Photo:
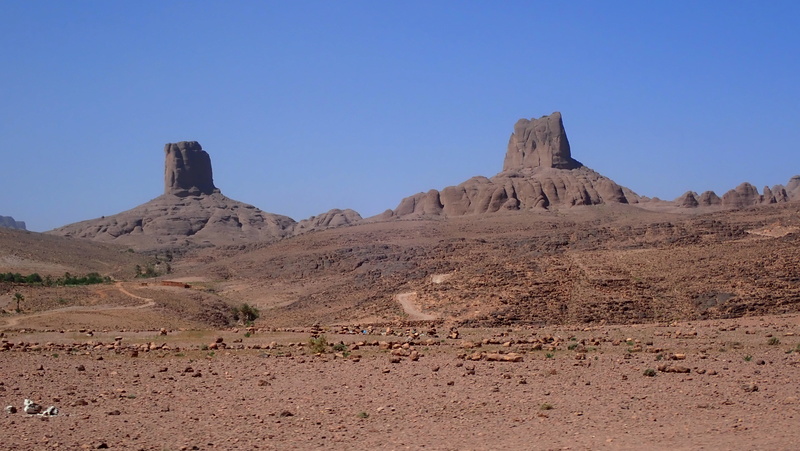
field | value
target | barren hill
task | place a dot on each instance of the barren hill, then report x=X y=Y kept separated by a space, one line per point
x=31 y=252
x=612 y=263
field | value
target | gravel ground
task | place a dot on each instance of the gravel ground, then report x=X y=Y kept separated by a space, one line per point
x=584 y=389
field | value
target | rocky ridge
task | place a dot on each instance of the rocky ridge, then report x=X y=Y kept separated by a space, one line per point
x=744 y=195
x=10 y=223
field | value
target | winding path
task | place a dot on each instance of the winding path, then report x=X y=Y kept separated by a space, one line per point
x=406 y=300
x=15 y=320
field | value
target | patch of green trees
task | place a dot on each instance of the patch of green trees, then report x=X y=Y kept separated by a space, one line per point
x=49 y=281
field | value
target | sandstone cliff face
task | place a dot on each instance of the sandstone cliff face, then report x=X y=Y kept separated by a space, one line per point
x=538 y=173
x=187 y=170
x=9 y=223
x=744 y=195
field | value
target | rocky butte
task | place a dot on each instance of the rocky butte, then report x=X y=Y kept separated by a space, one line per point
x=192 y=211
x=538 y=173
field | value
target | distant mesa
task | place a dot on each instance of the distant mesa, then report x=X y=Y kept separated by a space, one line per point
x=9 y=223
x=538 y=173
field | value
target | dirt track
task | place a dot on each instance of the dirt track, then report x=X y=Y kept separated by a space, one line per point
x=406 y=300
x=15 y=321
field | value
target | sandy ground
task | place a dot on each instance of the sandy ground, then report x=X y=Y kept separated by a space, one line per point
x=574 y=388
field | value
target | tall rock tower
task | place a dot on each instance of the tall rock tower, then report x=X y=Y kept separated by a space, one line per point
x=539 y=143
x=187 y=170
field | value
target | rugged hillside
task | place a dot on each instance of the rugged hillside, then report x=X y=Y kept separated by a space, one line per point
x=30 y=252
x=612 y=263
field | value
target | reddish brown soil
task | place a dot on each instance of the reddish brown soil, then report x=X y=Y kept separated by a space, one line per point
x=740 y=391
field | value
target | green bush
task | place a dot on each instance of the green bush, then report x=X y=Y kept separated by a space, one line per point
x=249 y=313
x=318 y=345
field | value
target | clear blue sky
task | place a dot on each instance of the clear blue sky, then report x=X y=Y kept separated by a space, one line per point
x=306 y=106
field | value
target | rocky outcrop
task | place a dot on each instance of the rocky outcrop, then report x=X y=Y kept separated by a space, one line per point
x=538 y=173
x=192 y=211
x=187 y=170
x=688 y=200
x=743 y=195
x=708 y=199
x=9 y=223
x=539 y=143
x=793 y=188
x=330 y=219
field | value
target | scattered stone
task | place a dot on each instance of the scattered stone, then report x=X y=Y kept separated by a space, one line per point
x=11 y=409
x=31 y=408
x=80 y=368
x=749 y=388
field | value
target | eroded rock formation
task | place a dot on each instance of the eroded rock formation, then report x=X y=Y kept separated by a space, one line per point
x=187 y=170
x=538 y=173
x=539 y=143
x=192 y=211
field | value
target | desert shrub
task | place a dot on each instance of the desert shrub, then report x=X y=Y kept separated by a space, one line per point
x=546 y=406
x=249 y=313
x=340 y=347
x=774 y=341
x=650 y=372
x=318 y=345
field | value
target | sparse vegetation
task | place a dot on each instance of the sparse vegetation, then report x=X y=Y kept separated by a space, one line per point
x=774 y=341
x=748 y=358
x=650 y=372
x=546 y=406
x=318 y=345
x=363 y=415
x=47 y=281
x=148 y=271
x=19 y=298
